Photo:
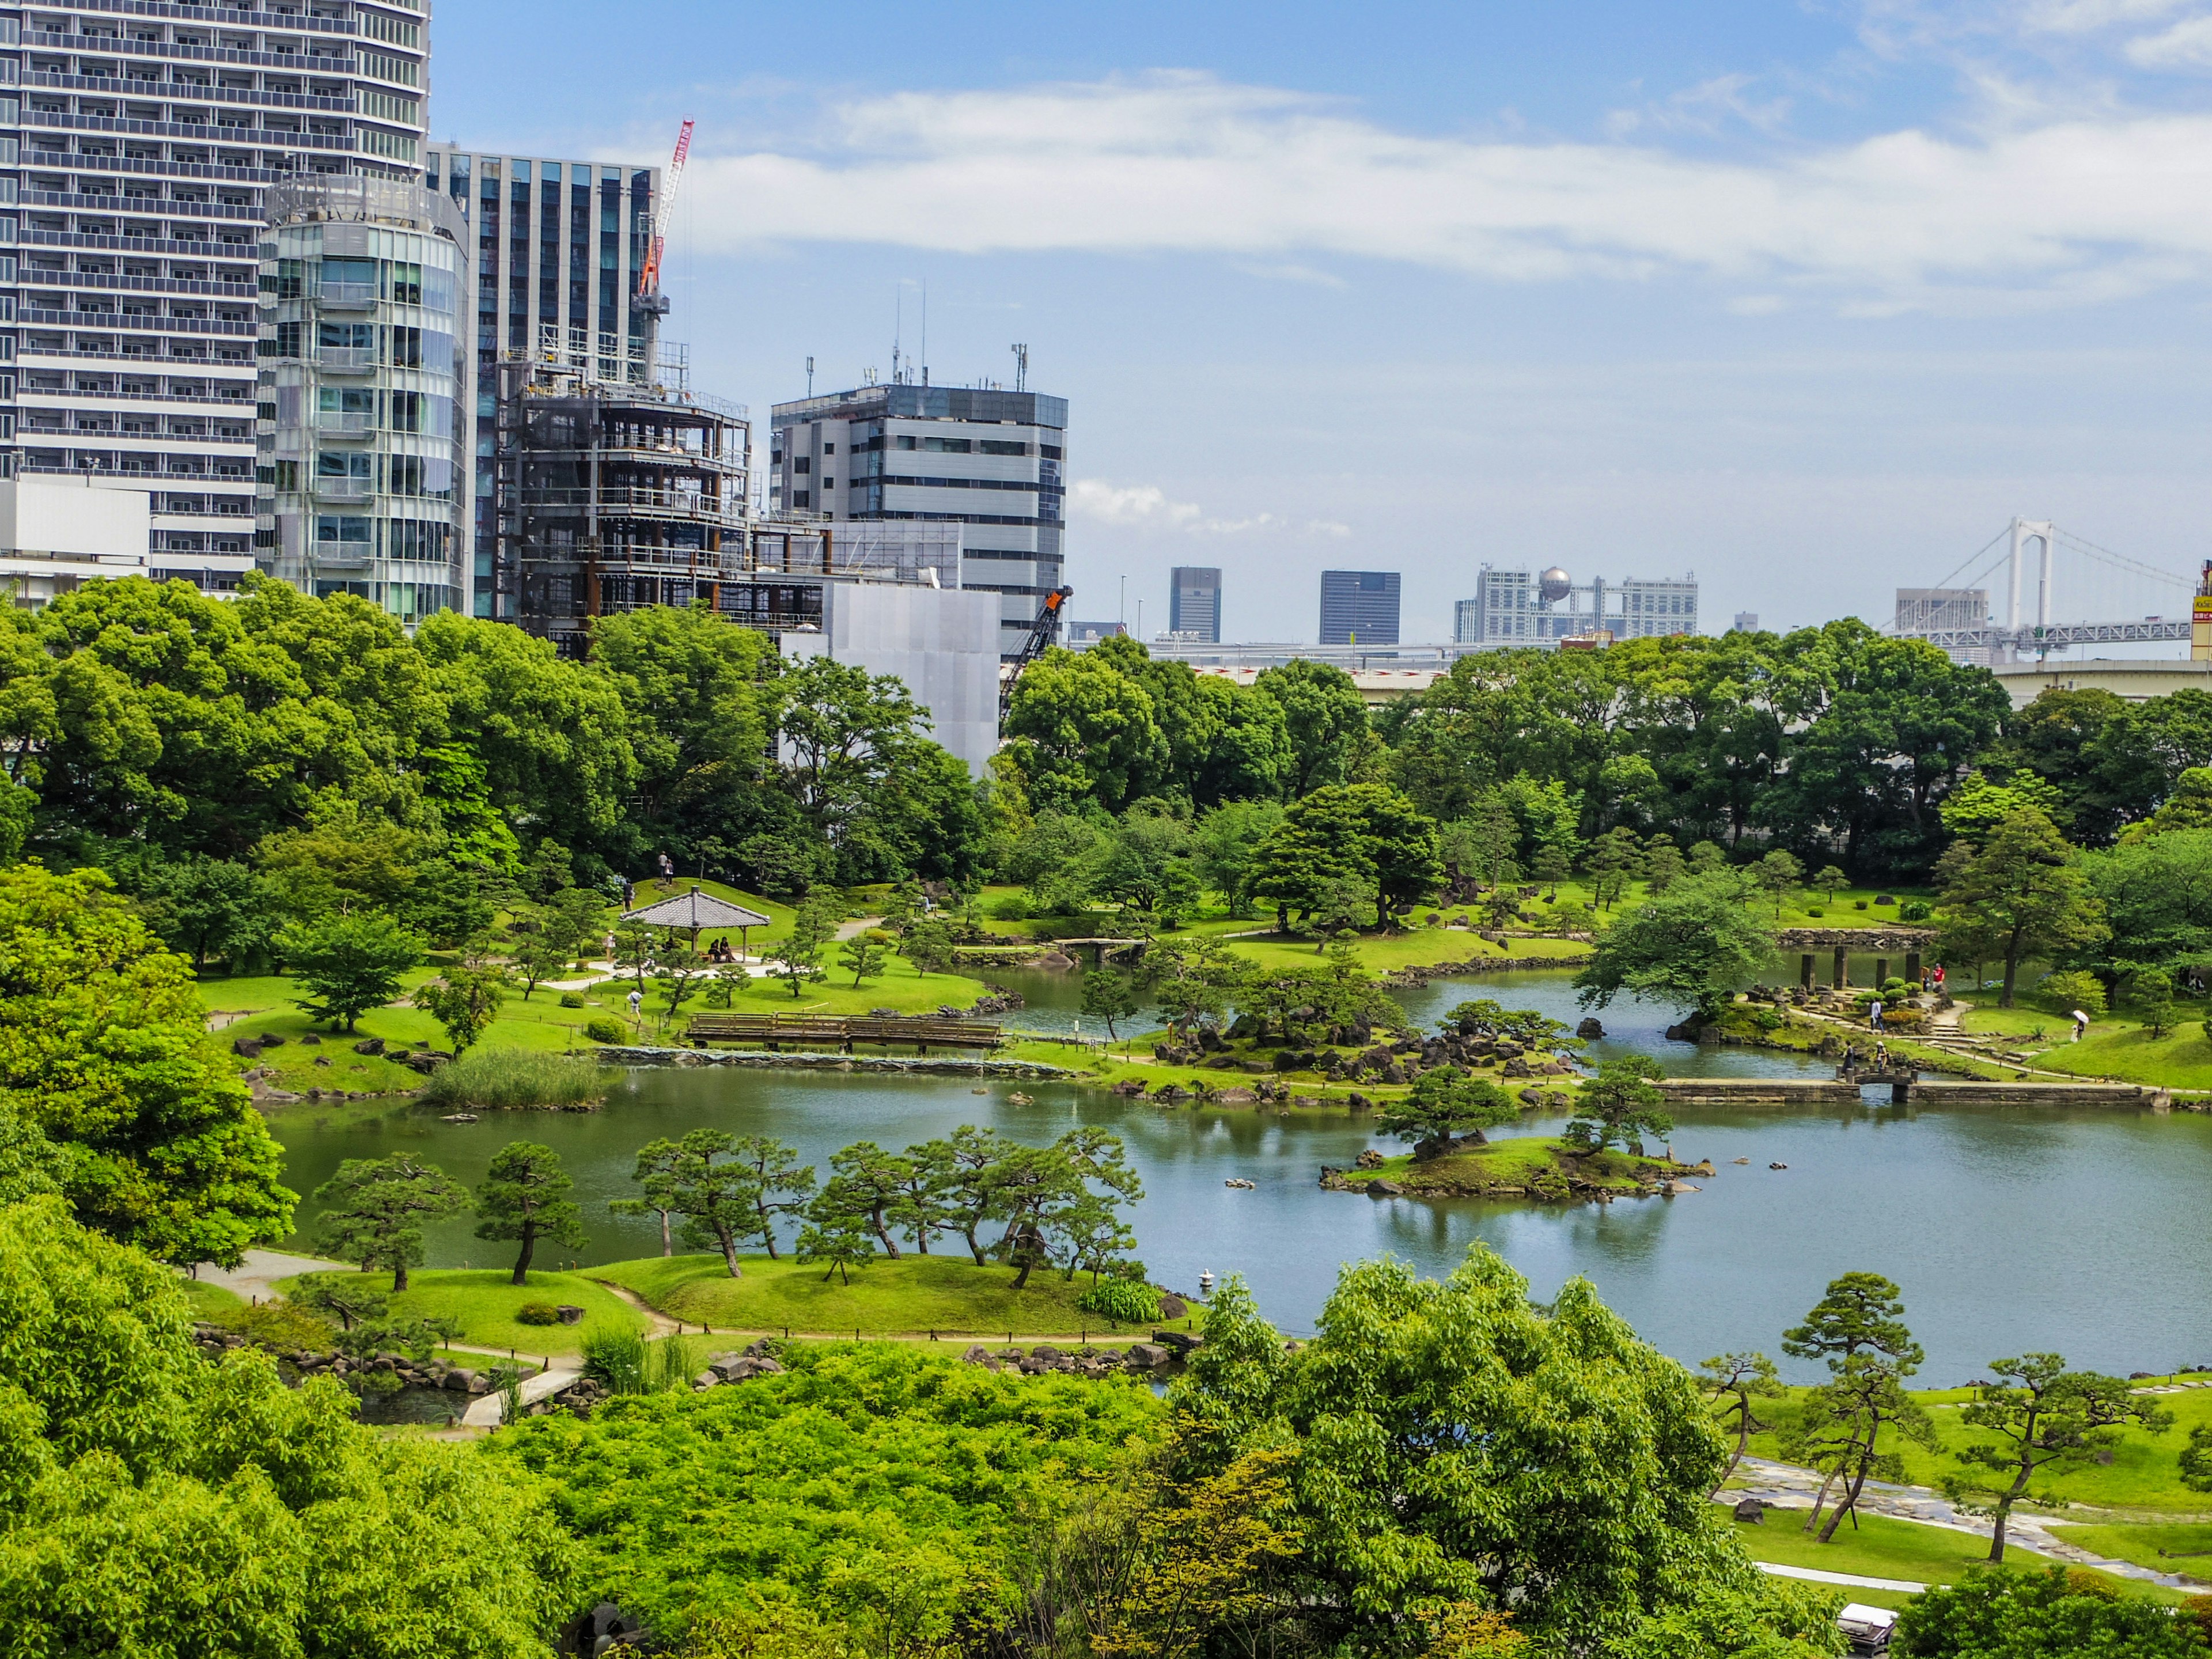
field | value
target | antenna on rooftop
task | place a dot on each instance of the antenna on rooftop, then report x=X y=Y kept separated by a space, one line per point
x=810 y=377
x=1021 y=367
x=925 y=330
x=898 y=327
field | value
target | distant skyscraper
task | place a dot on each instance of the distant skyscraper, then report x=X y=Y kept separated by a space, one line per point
x=1359 y=607
x=1517 y=607
x=1194 y=604
x=1747 y=622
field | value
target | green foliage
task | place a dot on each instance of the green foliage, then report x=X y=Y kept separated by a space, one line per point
x=2021 y=893
x=1366 y=833
x=1445 y=1102
x=616 y=1358
x=525 y=1197
x=729 y=1189
x=877 y=1490
x=465 y=997
x=1619 y=1104
x=1123 y=1301
x=2056 y=1613
x=798 y=956
x=862 y=956
x=348 y=964
x=2156 y=895
x=1110 y=994
x=105 y=1053
x=1693 y=945
x=2062 y=992
x=155 y=1502
x=377 y=1208
x=1977 y=807
x=573 y=999
x=203 y=907
x=605 y=1027
x=507 y=1079
x=1323 y=719
x=537 y=1313
x=1532 y=1432
x=2151 y=991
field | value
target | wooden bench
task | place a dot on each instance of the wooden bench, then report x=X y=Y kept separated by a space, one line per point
x=842 y=1031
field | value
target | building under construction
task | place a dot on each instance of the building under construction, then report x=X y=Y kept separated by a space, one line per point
x=610 y=495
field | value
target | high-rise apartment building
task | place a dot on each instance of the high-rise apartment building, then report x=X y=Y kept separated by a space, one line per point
x=1194 y=604
x=993 y=461
x=1925 y=609
x=137 y=144
x=559 y=247
x=365 y=384
x=1358 y=607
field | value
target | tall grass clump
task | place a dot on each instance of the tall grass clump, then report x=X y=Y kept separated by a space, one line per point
x=505 y=1080
x=616 y=1359
x=671 y=1364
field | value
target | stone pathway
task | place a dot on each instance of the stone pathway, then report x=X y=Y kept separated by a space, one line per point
x=1786 y=1484
x=257 y=1274
x=487 y=1411
x=662 y=1324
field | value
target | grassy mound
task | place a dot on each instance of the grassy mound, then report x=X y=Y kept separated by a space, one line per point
x=511 y=1079
x=1519 y=1166
x=484 y=1303
x=913 y=1295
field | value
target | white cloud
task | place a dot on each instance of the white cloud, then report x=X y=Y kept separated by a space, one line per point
x=2057 y=209
x=2187 y=45
x=1147 y=507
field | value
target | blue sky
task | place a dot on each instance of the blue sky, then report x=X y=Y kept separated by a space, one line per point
x=1808 y=299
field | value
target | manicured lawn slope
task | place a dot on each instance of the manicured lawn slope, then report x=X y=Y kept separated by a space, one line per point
x=913 y=1295
x=484 y=1303
x=1883 y=1548
x=2192 y=1544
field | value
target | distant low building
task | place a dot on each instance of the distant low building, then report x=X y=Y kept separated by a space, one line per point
x=1079 y=635
x=1747 y=622
x=58 y=533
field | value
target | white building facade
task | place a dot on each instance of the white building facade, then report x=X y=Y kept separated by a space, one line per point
x=1521 y=608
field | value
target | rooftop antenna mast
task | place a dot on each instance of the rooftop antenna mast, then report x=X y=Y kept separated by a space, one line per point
x=898 y=328
x=1021 y=368
x=810 y=377
x=925 y=330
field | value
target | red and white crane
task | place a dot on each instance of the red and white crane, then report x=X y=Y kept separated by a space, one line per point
x=649 y=297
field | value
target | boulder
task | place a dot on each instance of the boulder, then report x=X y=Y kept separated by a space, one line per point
x=1370 y=1159
x=977 y=1354
x=1173 y=1306
x=461 y=1381
x=269 y=1040
x=247 y=1048
x=310 y=1041
x=1752 y=1509
x=706 y=1379
x=569 y=1314
x=1384 y=1189
x=1236 y=1098
x=1148 y=1355
x=369 y=1046
x=1045 y=1351
x=1175 y=1342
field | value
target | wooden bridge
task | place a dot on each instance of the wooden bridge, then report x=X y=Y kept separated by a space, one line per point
x=842 y=1032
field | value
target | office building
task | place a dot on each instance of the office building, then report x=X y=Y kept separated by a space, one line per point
x=1359 y=607
x=1924 y=609
x=366 y=389
x=147 y=136
x=1082 y=636
x=1747 y=622
x=1519 y=608
x=992 y=461
x=559 y=246
x=1194 y=604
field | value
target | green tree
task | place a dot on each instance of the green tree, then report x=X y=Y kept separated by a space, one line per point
x=1733 y=1382
x=1324 y=717
x=347 y=1297
x=873 y=1189
x=347 y=964
x=375 y=1210
x=798 y=954
x=1977 y=807
x=1110 y=995
x=863 y=957
x=466 y=998
x=1619 y=1104
x=1859 y=1313
x=2020 y=894
x=845 y=732
x=1831 y=881
x=845 y=1241
x=1849 y=1428
x=1662 y=864
x=680 y=973
x=1529 y=1430
x=2038 y=1416
x=1692 y=946
x=2152 y=992
x=1778 y=873
x=105 y=1054
x=525 y=1197
x=2057 y=1613
x=1445 y=1102
x=203 y=907
x=1225 y=843
x=710 y=1178
x=1079 y=729
x=540 y=955
x=657 y=1163
x=1553 y=866
x=969 y=1170
x=1857 y=1326
x=1613 y=861
x=1366 y=831
x=781 y=1184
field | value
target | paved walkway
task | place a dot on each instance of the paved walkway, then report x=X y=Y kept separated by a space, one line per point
x=256 y=1276
x=1852 y=1580
x=1786 y=1484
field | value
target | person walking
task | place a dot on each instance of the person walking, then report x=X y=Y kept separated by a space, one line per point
x=1874 y=1014
x=2081 y=1023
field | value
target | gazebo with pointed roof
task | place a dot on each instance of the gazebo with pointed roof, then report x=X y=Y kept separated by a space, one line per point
x=695 y=911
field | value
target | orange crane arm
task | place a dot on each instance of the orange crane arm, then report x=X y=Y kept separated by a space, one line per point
x=648 y=280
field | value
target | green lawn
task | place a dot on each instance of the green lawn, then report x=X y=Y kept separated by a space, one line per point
x=913 y=1295
x=1880 y=1548
x=210 y=1301
x=2192 y=1544
x=2182 y=1059
x=483 y=1301
x=2144 y=1472
x=1415 y=947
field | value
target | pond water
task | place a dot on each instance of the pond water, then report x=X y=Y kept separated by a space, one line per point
x=2009 y=1230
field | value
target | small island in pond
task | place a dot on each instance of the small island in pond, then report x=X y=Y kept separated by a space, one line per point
x=1548 y=1168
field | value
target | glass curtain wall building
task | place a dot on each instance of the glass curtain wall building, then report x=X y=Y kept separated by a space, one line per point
x=137 y=143
x=1194 y=604
x=559 y=246
x=366 y=411
x=1359 y=607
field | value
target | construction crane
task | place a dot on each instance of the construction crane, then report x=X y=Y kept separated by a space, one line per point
x=1041 y=635
x=649 y=298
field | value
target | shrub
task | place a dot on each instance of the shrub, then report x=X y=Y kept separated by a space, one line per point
x=572 y=999
x=1816 y=912
x=537 y=1313
x=1914 y=910
x=617 y=1358
x=1858 y=904
x=671 y=1363
x=503 y=1080
x=605 y=1029
x=1121 y=1301
x=2069 y=991
x=1894 y=987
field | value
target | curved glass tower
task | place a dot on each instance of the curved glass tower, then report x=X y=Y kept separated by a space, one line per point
x=366 y=393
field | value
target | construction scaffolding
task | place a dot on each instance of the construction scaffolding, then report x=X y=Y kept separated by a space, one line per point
x=611 y=493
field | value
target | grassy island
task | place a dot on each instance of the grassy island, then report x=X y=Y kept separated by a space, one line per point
x=1520 y=1166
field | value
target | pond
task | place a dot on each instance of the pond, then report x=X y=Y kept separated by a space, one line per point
x=2009 y=1230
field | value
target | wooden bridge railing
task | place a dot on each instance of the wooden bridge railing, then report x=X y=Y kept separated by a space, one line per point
x=842 y=1032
